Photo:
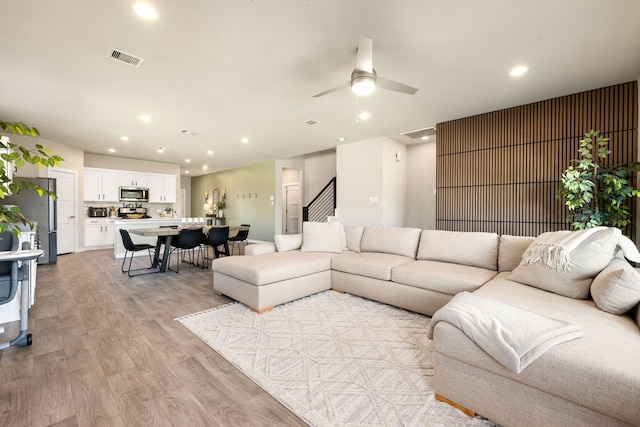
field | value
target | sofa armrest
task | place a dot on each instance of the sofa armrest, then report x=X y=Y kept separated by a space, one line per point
x=260 y=248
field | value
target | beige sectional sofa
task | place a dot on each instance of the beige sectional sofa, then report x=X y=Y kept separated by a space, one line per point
x=593 y=380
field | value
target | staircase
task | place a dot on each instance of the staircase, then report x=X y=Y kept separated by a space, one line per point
x=323 y=205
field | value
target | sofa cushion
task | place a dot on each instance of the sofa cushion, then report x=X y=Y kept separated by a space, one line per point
x=288 y=242
x=391 y=240
x=467 y=248
x=322 y=237
x=443 y=277
x=511 y=249
x=353 y=234
x=616 y=289
x=586 y=260
x=273 y=267
x=368 y=264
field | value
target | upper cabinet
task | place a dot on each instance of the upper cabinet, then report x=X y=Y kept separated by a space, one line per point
x=162 y=188
x=101 y=185
x=134 y=179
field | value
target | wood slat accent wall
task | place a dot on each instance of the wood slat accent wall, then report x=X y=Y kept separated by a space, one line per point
x=499 y=171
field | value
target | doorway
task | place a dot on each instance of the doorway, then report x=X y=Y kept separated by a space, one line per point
x=66 y=183
x=291 y=208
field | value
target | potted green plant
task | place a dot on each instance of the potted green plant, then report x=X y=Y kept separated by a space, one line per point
x=595 y=192
x=14 y=157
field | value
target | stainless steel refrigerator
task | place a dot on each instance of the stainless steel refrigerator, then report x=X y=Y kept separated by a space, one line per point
x=43 y=211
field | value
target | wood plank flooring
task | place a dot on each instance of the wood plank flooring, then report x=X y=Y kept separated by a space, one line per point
x=107 y=352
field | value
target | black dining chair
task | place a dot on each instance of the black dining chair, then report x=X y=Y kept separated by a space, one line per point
x=242 y=235
x=217 y=237
x=187 y=241
x=129 y=246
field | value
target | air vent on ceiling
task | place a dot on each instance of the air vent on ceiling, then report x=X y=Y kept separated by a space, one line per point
x=420 y=133
x=127 y=58
x=311 y=122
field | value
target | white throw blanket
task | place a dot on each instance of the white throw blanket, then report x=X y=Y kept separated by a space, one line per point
x=513 y=336
x=553 y=248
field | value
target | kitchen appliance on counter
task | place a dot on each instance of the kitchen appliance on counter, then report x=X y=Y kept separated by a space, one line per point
x=97 y=212
x=133 y=211
x=40 y=210
x=134 y=194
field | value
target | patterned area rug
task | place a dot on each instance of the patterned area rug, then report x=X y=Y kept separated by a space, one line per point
x=334 y=360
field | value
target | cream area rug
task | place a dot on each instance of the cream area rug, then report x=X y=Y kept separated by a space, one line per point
x=334 y=360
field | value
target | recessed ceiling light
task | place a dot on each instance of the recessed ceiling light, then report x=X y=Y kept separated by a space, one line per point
x=244 y=140
x=186 y=172
x=210 y=152
x=364 y=115
x=124 y=138
x=205 y=167
x=145 y=118
x=340 y=140
x=111 y=150
x=161 y=149
x=518 y=71
x=145 y=10
x=187 y=160
x=425 y=137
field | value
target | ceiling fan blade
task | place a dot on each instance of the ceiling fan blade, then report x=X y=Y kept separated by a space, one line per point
x=395 y=86
x=333 y=89
x=364 y=60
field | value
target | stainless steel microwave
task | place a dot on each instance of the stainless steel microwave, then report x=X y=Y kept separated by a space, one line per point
x=134 y=194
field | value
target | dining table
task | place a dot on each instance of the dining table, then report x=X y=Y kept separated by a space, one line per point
x=169 y=233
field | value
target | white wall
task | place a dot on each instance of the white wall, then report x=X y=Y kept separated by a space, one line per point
x=371 y=184
x=394 y=183
x=319 y=169
x=421 y=186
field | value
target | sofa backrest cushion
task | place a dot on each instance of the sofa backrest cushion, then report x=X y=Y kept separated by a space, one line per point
x=288 y=242
x=353 y=234
x=616 y=289
x=476 y=249
x=586 y=260
x=322 y=237
x=391 y=240
x=511 y=249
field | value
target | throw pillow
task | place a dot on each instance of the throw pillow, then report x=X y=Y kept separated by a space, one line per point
x=353 y=234
x=584 y=261
x=321 y=237
x=629 y=249
x=616 y=289
x=288 y=242
x=401 y=241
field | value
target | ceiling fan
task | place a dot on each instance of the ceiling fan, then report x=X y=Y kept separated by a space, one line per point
x=364 y=78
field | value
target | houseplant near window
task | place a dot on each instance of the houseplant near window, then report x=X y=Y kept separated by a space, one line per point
x=595 y=192
x=15 y=156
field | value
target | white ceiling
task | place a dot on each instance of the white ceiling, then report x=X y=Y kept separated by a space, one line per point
x=229 y=69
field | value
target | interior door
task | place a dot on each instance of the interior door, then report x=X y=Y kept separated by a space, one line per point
x=292 y=203
x=65 y=209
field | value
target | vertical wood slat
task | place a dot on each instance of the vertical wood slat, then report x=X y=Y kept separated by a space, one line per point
x=499 y=171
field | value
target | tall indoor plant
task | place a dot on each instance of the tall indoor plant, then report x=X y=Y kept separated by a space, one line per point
x=595 y=192
x=14 y=157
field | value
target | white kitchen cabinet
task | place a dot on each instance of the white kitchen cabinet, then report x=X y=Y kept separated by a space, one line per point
x=134 y=179
x=101 y=185
x=99 y=232
x=162 y=188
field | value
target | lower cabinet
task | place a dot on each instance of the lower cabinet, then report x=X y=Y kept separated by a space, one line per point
x=99 y=232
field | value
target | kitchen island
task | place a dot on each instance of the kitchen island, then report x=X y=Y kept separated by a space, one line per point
x=130 y=224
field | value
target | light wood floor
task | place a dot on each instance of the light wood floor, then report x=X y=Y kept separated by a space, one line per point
x=107 y=352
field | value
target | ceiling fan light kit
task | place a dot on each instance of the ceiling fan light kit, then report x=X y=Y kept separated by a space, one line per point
x=363 y=83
